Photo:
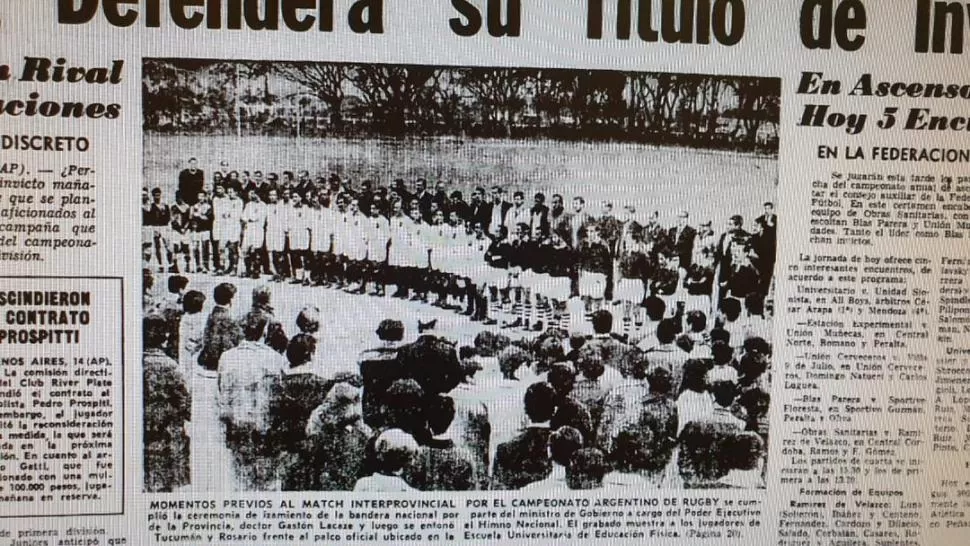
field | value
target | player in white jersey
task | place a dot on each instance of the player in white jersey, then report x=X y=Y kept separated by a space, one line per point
x=275 y=234
x=397 y=252
x=321 y=238
x=200 y=220
x=418 y=255
x=355 y=247
x=378 y=234
x=455 y=243
x=253 y=234
x=341 y=239
x=226 y=228
x=461 y=263
x=298 y=233
x=440 y=263
x=478 y=273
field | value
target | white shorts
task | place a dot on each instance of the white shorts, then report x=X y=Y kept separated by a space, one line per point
x=226 y=238
x=253 y=237
x=516 y=277
x=300 y=240
x=631 y=290
x=556 y=288
x=276 y=242
x=163 y=232
x=492 y=276
x=592 y=285
x=226 y=232
x=530 y=279
x=201 y=236
x=181 y=239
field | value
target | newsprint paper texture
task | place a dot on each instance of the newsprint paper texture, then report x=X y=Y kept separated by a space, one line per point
x=484 y=271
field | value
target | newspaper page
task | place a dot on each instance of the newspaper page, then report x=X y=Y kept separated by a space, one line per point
x=484 y=271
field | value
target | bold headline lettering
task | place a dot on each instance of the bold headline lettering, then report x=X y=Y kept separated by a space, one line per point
x=940 y=26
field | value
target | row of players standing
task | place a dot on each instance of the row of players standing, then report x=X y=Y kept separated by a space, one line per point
x=487 y=252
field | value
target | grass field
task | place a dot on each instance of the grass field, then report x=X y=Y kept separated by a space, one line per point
x=709 y=184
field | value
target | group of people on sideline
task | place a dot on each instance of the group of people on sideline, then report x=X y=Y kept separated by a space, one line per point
x=530 y=263
x=684 y=406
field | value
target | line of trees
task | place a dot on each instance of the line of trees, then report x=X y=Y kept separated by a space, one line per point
x=320 y=99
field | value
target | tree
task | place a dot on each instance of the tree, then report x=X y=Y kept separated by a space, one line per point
x=162 y=91
x=758 y=103
x=390 y=92
x=445 y=99
x=500 y=93
x=598 y=99
x=554 y=92
x=187 y=95
x=323 y=80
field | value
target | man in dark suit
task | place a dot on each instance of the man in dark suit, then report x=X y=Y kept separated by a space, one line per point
x=401 y=190
x=525 y=458
x=493 y=215
x=379 y=368
x=572 y=227
x=431 y=361
x=729 y=245
x=556 y=211
x=365 y=199
x=424 y=199
x=682 y=237
x=222 y=332
x=766 y=244
x=440 y=195
x=191 y=182
x=539 y=217
x=476 y=207
x=609 y=225
x=459 y=209
x=609 y=228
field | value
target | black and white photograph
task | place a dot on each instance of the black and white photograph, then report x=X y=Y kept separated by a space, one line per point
x=396 y=278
